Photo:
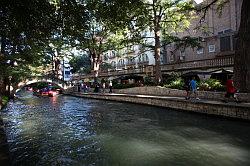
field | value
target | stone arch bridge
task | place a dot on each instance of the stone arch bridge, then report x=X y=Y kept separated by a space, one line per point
x=31 y=80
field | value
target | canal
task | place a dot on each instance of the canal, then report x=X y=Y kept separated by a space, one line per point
x=66 y=130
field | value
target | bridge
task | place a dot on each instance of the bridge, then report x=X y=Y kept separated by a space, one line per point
x=31 y=80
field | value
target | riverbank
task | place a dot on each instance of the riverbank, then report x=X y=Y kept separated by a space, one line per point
x=4 y=149
x=204 y=106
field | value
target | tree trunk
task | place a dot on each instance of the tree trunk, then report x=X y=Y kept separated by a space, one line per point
x=95 y=64
x=242 y=57
x=157 y=51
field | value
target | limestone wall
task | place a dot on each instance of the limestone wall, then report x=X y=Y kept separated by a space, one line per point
x=232 y=110
x=161 y=91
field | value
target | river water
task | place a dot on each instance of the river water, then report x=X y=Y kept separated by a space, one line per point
x=67 y=130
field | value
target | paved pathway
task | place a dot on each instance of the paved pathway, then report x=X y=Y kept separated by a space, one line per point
x=231 y=102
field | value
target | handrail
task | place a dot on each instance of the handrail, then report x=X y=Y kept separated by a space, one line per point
x=216 y=62
x=199 y=64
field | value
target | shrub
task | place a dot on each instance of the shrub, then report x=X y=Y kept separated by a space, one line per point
x=148 y=81
x=123 y=86
x=169 y=79
x=211 y=85
x=5 y=100
x=177 y=83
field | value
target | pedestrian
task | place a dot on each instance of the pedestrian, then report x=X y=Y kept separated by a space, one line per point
x=230 y=89
x=110 y=87
x=84 y=87
x=193 y=88
x=187 y=88
x=103 y=87
x=78 y=87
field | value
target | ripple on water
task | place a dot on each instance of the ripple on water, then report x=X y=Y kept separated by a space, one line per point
x=75 y=131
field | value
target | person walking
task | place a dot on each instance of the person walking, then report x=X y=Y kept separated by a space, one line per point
x=230 y=89
x=193 y=88
x=187 y=88
x=103 y=87
x=110 y=87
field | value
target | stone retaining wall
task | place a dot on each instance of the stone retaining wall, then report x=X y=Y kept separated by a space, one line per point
x=161 y=91
x=232 y=110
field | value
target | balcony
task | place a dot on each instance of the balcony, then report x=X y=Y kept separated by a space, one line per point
x=219 y=62
x=122 y=72
x=226 y=61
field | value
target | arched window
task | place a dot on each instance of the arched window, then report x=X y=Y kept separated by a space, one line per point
x=113 y=63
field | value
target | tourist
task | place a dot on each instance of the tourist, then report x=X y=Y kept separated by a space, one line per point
x=110 y=86
x=193 y=88
x=103 y=87
x=230 y=89
x=187 y=88
x=97 y=87
x=79 y=87
x=85 y=87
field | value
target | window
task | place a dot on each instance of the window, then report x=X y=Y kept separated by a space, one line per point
x=228 y=31
x=67 y=72
x=171 y=57
x=113 y=63
x=220 y=33
x=211 y=48
x=225 y=43
x=113 y=53
x=200 y=50
x=182 y=53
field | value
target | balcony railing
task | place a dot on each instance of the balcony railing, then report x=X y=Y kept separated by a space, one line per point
x=226 y=61
x=207 y=63
x=122 y=72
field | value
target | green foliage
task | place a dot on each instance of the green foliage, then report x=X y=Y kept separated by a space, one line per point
x=171 y=78
x=148 y=81
x=211 y=85
x=5 y=100
x=125 y=86
x=80 y=64
x=122 y=86
x=106 y=66
x=41 y=85
x=177 y=83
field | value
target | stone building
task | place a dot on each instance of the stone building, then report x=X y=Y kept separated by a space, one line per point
x=217 y=35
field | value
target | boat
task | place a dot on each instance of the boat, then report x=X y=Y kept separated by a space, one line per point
x=46 y=92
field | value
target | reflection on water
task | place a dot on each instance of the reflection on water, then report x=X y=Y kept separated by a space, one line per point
x=74 y=131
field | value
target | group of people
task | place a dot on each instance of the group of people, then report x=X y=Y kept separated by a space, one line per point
x=110 y=86
x=191 y=88
x=97 y=86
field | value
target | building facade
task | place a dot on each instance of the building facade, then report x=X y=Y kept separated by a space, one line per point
x=217 y=36
x=216 y=31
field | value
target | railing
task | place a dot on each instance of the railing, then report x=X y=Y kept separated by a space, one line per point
x=207 y=63
x=199 y=64
x=122 y=72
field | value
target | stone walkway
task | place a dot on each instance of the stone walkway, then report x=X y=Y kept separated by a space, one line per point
x=231 y=102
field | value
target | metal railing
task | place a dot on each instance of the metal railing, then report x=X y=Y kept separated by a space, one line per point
x=207 y=63
x=225 y=61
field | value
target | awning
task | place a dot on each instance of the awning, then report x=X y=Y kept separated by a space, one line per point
x=222 y=71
